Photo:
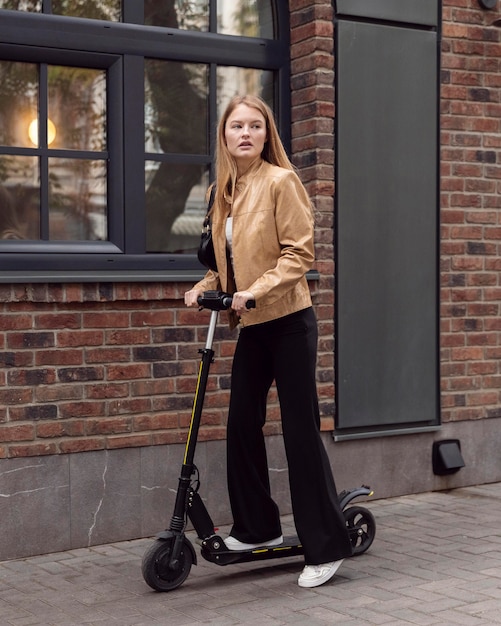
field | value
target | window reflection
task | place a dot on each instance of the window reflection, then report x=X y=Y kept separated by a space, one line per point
x=246 y=18
x=76 y=187
x=183 y=14
x=176 y=107
x=19 y=198
x=94 y=9
x=186 y=229
x=77 y=107
x=233 y=81
x=178 y=123
x=22 y=5
x=18 y=102
x=77 y=200
x=174 y=206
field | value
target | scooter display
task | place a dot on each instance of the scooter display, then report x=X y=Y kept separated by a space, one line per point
x=167 y=562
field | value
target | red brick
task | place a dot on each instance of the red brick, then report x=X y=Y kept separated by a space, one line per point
x=81 y=409
x=108 y=426
x=127 y=371
x=129 y=441
x=18 y=432
x=57 y=320
x=29 y=450
x=87 y=444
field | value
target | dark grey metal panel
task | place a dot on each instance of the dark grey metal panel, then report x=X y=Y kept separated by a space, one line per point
x=423 y=12
x=387 y=355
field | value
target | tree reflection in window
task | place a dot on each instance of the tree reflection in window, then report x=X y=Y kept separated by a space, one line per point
x=22 y=5
x=176 y=122
x=19 y=176
x=97 y=10
x=70 y=202
x=183 y=14
x=75 y=184
x=245 y=18
x=176 y=116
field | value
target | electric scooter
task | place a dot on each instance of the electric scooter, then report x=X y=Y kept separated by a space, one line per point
x=167 y=563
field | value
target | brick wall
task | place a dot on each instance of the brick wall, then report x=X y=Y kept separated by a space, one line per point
x=92 y=367
x=470 y=212
x=312 y=82
x=102 y=366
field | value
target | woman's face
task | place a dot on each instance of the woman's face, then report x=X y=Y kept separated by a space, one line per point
x=245 y=134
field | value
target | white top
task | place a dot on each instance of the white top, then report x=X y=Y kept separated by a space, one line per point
x=229 y=235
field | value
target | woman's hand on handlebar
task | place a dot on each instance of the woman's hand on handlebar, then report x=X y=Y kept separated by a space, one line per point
x=239 y=303
x=190 y=297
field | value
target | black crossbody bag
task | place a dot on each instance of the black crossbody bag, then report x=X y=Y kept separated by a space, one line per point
x=205 y=253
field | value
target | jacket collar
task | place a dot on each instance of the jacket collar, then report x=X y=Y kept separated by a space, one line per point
x=251 y=171
x=246 y=177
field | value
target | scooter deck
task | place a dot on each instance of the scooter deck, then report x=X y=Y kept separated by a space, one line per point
x=290 y=546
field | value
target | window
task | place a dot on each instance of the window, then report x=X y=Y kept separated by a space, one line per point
x=54 y=162
x=106 y=140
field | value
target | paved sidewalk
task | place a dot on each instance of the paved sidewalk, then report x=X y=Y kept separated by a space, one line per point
x=436 y=559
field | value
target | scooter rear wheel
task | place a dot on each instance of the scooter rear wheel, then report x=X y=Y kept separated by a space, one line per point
x=361 y=527
x=155 y=567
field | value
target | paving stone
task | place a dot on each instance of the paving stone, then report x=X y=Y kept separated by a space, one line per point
x=432 y=562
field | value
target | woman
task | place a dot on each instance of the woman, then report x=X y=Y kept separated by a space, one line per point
x=262 y=228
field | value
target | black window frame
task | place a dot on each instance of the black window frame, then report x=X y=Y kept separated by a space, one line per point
x=121 y=48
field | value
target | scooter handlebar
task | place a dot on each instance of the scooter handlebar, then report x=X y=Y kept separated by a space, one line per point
x=219 y=301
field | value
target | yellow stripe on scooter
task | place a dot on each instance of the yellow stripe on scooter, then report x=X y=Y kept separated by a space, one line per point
x=278 y=549
x=193 y=412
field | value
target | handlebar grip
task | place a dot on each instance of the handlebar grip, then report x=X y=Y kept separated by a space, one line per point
x=250 y=304
x=219 y=301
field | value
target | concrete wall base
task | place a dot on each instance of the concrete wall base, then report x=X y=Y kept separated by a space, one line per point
x=57 y=503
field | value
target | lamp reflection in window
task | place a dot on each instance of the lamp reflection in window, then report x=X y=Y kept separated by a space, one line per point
x=33 y=132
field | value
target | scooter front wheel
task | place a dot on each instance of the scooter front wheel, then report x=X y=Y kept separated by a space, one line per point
x=157 y=570
x=361 y=526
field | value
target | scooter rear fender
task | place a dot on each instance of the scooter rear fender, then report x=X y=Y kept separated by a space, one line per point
x=345 y=497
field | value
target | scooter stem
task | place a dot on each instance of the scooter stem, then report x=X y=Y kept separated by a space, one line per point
x=178 y=517
x=203 y=374
x=211 y=330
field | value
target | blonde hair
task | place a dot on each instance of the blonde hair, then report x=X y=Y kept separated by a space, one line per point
x=273 y=151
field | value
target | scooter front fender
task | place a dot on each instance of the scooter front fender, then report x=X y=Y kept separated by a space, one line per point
x=345 y=497
x=167 y=535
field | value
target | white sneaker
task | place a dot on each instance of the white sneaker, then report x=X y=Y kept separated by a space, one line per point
x=315 y=575
x=234 y=544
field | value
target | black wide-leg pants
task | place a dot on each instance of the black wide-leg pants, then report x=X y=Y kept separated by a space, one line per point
x=284 y=350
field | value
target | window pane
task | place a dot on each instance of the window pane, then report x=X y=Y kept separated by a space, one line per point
x=232 y=81
x=94 y=9
x=184 y=14
x=18 y=102
x=247 y=18
x=21 y=5
x=176 y=109
x=77 y=107
x=77 y=200
x=175 y=206
x=19 y=198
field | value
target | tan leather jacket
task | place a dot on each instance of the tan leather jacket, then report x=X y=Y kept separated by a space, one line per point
x=272 y=243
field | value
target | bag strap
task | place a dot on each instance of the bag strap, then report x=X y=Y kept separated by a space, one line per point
x=211 y=198
x=207 y=222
